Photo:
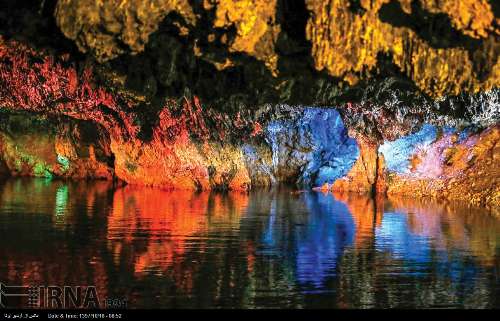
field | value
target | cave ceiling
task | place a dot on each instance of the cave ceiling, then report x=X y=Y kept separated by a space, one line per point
x=407 y=61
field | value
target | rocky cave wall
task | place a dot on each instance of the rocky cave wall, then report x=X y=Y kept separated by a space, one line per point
x=211 y=94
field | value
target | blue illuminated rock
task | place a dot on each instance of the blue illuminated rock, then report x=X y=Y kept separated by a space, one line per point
x=312 y=148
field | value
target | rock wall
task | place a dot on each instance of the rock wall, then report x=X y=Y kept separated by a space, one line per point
x=363 y=176
x=446 y=163
x=311 y=148
x=197 y=94
x=443 y=163
x=307 y=148
x=36 y=146
x=412 y=61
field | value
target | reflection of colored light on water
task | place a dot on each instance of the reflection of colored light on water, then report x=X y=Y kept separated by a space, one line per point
x=432 y=220
x=269 y=237
x=167 y=220
x=311 y=237
x=250 y=249
x=157 y=211
x=326 y=229
x=163 y=219
x=450 y=226
x=329 y=230
x=226 y=209
x=62 y=196
x=366 y=212
x=395 y=236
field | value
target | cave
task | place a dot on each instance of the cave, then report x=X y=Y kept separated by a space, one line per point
x=308 y=106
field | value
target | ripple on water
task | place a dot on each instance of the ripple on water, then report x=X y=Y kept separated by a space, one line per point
x=261 y=249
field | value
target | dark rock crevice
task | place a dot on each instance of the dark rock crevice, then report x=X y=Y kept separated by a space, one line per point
x=48 y=146
x=435 y=28
x=4 y=170
x=32 y=22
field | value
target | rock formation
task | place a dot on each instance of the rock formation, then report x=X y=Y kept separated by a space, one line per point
x=402 y=95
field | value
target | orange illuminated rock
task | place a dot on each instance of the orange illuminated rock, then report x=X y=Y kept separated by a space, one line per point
x=174 y=160
x=180 y=166
x=423 y=38
x=474 y=17
x=363 y=175
x=380 y=183
x=256 y=27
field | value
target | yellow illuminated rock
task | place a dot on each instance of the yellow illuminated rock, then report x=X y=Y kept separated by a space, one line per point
x=255 y=24
x=344 y=42
x=106 y=27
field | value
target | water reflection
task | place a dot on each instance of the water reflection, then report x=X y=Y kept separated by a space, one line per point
x=263 y=249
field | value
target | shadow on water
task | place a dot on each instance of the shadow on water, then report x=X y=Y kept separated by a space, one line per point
x=262 y=249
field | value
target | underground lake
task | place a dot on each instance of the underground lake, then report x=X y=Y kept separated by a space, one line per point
x=262 y=249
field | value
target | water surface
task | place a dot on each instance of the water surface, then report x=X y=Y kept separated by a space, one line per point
x=161 y=249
